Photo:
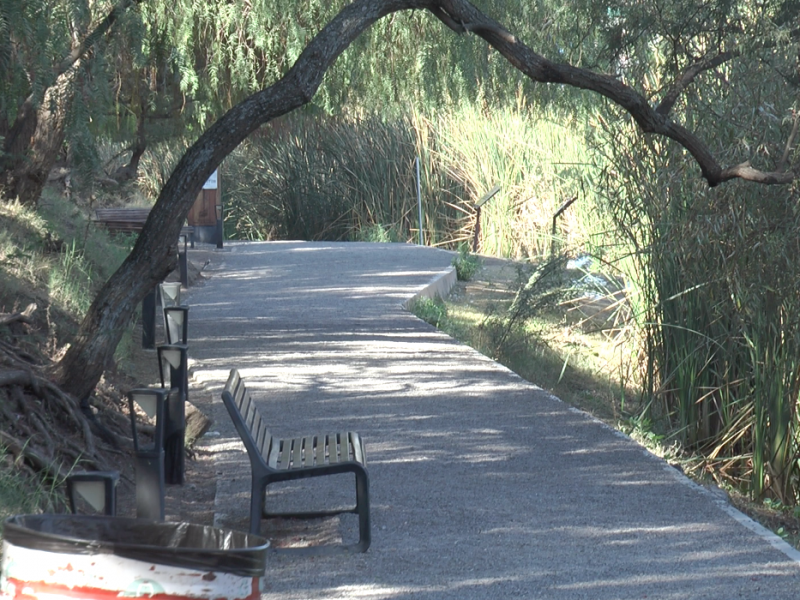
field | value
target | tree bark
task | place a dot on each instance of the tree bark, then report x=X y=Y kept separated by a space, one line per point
x=151 y=259
x=38 y=141
x=128 y=172
x=37 y=134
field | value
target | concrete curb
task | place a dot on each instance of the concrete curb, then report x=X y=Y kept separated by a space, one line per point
x=438 y=287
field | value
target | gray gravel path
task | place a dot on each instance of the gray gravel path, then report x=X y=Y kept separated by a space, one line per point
x=482 y=485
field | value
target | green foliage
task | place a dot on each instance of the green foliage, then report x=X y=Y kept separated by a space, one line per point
x=52 y=253
x=466 y=263
x=18 y=495
x=432 y=311
x=15 y=496
x=716 y=275
x=313 y=177
x=376 y=233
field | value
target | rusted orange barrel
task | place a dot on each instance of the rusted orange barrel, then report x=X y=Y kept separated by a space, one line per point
x=57 y=557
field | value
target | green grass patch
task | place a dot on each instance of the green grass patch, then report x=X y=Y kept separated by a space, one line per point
x=431 y=311
x=53 y=256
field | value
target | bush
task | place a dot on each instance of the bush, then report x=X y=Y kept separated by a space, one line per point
x=466 y=264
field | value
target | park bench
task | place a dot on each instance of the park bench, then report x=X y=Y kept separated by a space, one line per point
x=130 y=220
x=273 y=459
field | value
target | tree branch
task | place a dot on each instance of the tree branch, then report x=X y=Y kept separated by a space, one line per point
x=748 y=173
x=22 y=450
x=90 y=40
x=540 y=69
x=788 y=149
x=22 y=317
x=150 y=260
x=689 y=76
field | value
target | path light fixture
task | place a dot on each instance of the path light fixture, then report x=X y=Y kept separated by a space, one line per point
x=170 y=292
x=150 y=475
x=97 y=488
x=183 y=259
x=176 y=324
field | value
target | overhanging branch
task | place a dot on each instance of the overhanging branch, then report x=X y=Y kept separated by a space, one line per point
x=650 y=120
x=689 y=76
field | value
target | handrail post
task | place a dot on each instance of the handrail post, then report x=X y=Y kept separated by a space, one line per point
x=478 y=205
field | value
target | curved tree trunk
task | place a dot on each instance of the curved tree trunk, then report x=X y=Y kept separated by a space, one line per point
x=36 y=140
x=152 y=258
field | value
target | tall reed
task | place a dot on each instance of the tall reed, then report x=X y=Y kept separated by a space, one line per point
x=323 y=178
x=720 y=314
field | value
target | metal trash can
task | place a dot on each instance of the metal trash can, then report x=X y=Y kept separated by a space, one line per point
x=77 y=556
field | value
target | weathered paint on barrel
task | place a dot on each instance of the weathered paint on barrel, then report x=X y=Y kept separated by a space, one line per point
x=27 y=574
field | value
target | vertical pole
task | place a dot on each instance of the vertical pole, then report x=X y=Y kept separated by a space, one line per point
x=149 y=320
x=150 y=490
x=477 y=235
x=220 y=229
x=419 y=203
x=183 y=264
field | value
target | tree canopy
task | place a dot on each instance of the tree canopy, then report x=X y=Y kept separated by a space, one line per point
x=682 y=70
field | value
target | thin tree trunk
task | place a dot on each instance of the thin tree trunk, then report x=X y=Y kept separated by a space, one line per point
x=128 y=172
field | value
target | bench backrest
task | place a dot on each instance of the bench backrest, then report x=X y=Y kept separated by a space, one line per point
x=122 y=214
x=247 y=419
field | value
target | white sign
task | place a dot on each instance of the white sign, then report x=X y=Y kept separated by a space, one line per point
x=211 y=184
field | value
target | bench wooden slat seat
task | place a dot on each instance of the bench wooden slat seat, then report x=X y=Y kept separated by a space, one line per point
x=129 y=220
x=273 y=459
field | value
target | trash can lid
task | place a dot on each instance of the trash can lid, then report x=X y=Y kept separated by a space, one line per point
x=186 y=545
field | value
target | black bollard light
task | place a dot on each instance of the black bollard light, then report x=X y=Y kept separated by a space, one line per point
x=149 y=458
x=170 y=292
x=97 y=488
x=173 y=368
x=176 y=324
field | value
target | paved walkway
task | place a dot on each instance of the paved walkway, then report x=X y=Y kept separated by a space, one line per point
x=482 y=485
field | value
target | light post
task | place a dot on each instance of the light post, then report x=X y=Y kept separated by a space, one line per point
x=170 y=293
x=149 y=458
x=174 y=372
x=183 y=260
x=149 y=320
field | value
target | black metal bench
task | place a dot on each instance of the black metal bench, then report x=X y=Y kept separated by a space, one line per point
x=273 y=459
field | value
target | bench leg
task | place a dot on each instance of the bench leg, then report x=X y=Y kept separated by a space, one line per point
x=362 y=508
x=257 y=492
